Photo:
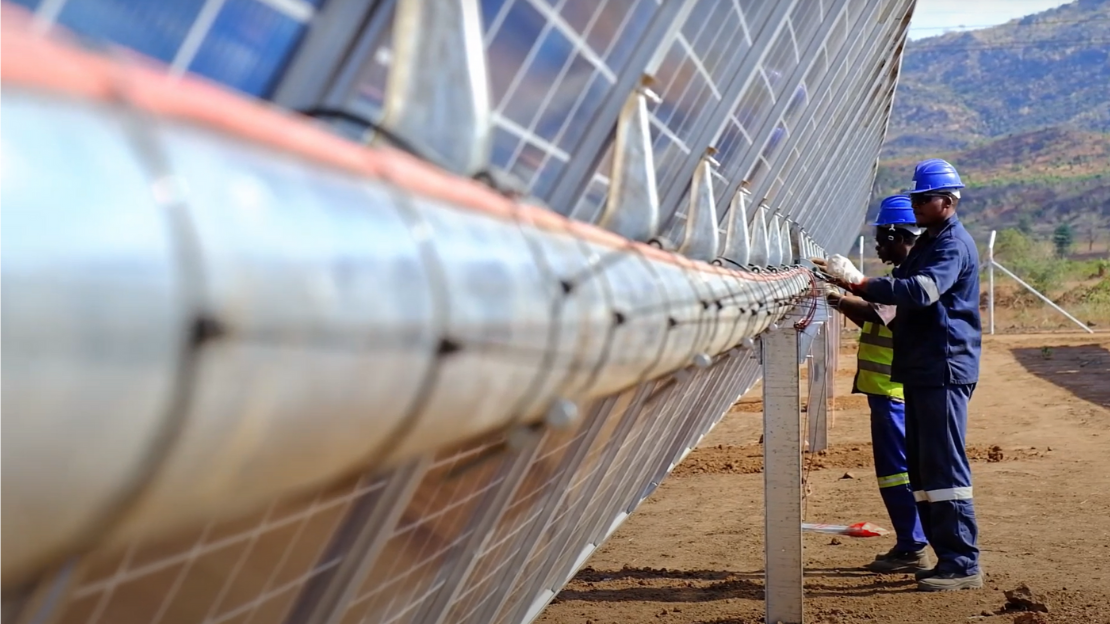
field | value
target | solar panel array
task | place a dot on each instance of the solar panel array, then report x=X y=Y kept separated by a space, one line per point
x=792 y=95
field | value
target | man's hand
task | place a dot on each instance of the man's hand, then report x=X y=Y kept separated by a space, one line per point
x=833 y=298
x=836 y=267
x=840 y=267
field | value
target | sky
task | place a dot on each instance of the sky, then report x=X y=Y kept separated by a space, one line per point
x=936 y=17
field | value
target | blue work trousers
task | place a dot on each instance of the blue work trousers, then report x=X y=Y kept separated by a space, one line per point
x=936 y=430
x=888 y=442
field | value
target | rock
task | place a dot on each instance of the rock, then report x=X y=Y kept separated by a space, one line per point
x=995 y=454
x=835 y=542
x=1021 y=598
x=848 y=475
x=1030 y=618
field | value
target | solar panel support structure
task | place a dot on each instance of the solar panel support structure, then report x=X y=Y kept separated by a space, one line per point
x=782 y=476
x=817 y=406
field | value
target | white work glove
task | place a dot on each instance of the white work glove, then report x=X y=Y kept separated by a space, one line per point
x=841 y=267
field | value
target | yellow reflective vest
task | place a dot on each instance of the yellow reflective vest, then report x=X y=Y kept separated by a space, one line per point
x=876 y=353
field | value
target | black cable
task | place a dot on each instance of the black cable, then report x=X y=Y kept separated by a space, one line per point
x=485 y=176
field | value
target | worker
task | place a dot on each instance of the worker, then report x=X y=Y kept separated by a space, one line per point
x=937 y=344
x=895 y=233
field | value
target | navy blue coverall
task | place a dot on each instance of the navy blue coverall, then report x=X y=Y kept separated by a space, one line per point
x=937 y=343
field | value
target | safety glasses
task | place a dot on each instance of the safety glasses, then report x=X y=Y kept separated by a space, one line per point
x=924 y=198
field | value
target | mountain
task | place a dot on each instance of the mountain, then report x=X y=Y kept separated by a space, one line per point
x=1023 y=111
x=1046 y=69
x=1034 y=180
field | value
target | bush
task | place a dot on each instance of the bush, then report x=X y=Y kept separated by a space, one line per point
x=1012 y=245
x=1042 y=273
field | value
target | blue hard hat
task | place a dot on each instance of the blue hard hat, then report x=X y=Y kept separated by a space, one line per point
x=935 y=175
x=896 y=210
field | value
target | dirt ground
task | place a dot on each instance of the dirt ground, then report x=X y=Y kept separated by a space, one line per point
x=1040 y=436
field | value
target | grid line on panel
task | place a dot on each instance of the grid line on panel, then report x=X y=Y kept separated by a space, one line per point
x=511 y=525
x=205 y=37
x=556 y=20
x=700 y=66
x=556 y=529
x=673 y=188
x=834 y=100
x=245 y=566
x=842 y=88
x=679 y=91
x=197 y=32
x=681 y=83
x=426 y=539
x=744 y=29
x=126 y=573
x=770 y=180
x=556 y=107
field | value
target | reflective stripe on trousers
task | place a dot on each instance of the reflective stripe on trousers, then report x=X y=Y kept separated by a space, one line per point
x=902 y=478
x=938 y=496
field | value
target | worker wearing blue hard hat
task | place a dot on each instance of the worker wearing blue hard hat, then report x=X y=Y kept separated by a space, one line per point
x=895 y=233
x=937 y=342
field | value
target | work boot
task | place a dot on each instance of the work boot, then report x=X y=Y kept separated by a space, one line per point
x=924 y=574
x=894 y=562
x=947 y=581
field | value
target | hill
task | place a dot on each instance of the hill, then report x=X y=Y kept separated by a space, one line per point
x=1047 y=69
x=1023 y=111
x=1034 y=180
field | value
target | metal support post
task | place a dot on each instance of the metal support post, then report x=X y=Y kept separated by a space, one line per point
x=817 y=406
x=861 y=254
x=990 y=280
x=832 y=344
x=782 y=476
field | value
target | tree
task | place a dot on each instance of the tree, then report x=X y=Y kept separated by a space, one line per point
x=1062 y=240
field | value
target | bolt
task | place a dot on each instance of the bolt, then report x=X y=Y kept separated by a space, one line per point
x=561 y=415
x=703 y=360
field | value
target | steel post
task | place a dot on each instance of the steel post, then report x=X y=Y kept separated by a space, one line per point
x=782 y=476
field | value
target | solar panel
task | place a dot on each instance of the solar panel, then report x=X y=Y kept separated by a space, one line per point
x=793 y=97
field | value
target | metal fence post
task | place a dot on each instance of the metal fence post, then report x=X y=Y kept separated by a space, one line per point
x=782 y=476
x=990 y=279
